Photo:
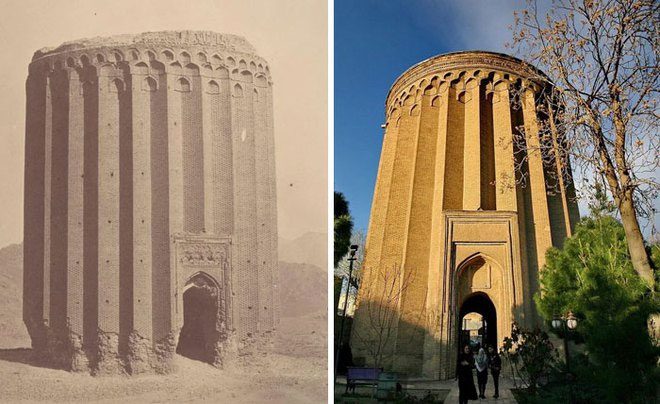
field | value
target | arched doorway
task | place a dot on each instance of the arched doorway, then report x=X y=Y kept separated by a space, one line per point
x=199 y=334
x=480 y=304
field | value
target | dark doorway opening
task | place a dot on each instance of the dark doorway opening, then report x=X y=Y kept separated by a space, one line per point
x=199 y=332
x=481 y=304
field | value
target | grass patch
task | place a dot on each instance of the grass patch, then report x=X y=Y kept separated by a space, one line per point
x=428 y=396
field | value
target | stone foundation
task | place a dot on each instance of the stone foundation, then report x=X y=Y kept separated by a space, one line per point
x=108 y=359
x=140 y=357
x=63 y=349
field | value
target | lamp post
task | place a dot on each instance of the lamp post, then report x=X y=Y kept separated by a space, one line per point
x=351 y=259
x=566 y=324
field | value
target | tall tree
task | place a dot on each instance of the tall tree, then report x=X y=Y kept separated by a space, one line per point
x=601 y=57
x=343 y=225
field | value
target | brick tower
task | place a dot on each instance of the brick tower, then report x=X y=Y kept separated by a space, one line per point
x=150 y=213
x=461 y=215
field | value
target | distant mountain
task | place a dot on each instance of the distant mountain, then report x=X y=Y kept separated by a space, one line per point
x=310 y=248
x=303 y=289
x=12 y=330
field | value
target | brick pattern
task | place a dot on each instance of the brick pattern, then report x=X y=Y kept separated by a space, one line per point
x=47 y=170
x=417 y=252
x=193 y=155
x=75 y=208
x=143 y=91
x=34 y=199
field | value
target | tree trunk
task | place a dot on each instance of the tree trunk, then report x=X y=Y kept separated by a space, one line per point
x=638 y=256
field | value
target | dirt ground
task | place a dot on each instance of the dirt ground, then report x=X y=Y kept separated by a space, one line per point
x=296 y=372
x=296 y=376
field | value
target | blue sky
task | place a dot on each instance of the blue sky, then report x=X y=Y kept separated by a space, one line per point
x=376 y=41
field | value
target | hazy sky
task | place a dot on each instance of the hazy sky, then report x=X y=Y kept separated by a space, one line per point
x=290 y=34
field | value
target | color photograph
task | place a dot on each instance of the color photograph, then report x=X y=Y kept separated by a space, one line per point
x=496 y=189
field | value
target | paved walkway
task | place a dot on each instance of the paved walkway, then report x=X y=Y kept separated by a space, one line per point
x=506 y=397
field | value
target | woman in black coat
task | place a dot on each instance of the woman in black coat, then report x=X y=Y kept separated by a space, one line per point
x=495 y=366
x=464 y=366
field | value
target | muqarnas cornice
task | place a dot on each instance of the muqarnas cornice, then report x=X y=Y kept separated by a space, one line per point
x=461 y=66
x=209 y=51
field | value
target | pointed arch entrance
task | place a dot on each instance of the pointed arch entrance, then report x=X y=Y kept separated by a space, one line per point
x=486 y=332
x=480 y=289
x=200 y=333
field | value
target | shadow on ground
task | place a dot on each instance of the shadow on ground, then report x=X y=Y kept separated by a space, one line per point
x=25 y=356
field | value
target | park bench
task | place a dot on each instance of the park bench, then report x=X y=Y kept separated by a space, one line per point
x=361 y=376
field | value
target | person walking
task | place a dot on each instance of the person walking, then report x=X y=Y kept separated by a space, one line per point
x=481 y=363
x=495 y=366
x=464 y=366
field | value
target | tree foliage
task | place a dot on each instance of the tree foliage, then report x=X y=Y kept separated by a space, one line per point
x=601 y=57
x=592 y=276
x=343 y=226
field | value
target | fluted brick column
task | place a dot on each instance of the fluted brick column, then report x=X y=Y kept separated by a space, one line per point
x=505 y=180
x=472 y=148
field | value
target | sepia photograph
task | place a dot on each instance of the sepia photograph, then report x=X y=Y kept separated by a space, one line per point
x=163 y=229
x=179 y=177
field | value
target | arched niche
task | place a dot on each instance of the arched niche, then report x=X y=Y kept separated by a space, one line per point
x=246 y=76
x=183 y=85
x=238 y=91
x=222 y=72
x=261 y=81
x=184 y=57
x=212 y=87
x=149 y=84
x=168 y=55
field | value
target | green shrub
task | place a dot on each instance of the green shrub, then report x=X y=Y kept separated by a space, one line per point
x=530 y=354
x=593 y=277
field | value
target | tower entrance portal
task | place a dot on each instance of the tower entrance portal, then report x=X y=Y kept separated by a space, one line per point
x=480 y=328
x=199 y=334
